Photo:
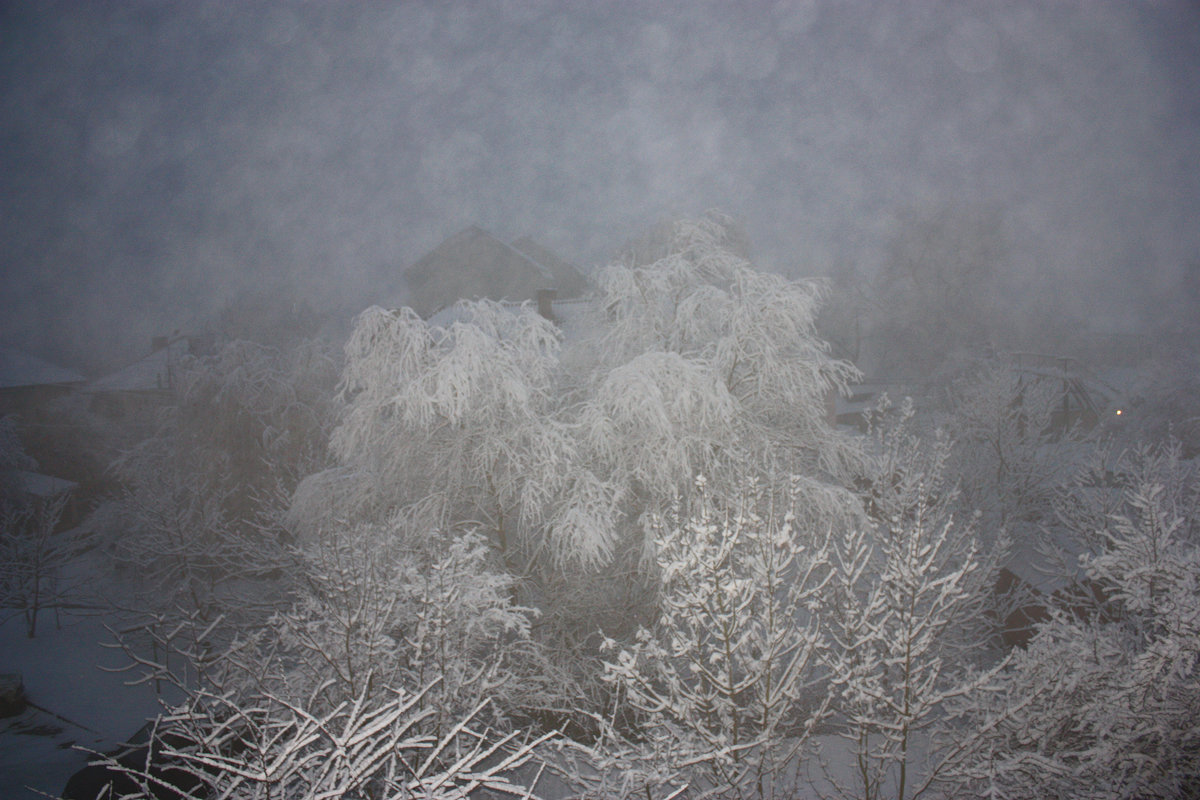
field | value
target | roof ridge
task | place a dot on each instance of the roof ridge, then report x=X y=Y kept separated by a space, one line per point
x=541 y=268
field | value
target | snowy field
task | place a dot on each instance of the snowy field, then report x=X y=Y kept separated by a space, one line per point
x=81 y=703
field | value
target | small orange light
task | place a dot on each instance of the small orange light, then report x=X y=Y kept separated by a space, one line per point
x=1119 y=412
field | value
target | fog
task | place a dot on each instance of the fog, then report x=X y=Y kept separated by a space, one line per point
x=674 y=525
x=158 y=159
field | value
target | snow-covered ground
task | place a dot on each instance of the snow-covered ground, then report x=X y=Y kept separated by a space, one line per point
x=80 y=703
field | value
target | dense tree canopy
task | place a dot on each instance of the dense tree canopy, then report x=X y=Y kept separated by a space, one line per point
x=560 y=441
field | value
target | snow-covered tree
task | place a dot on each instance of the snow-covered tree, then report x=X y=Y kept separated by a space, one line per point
x=12 y=452
x=906 y=620
x=33 y=550
x=562 y=444
x=749 y=334
x=461 y=420
x=1104 y=701
x=724 y=685
x=393 y=671
x=202 y=496
x=369 y=615
x=1010 y=453
x=224 y=741
x=258 y=418
x=33 y=555
x=170 y=533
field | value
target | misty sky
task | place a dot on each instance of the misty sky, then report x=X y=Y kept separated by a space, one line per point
x=169 y=155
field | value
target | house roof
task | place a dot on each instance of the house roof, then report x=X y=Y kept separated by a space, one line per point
x=473 y=263
x=568 y=281
x=38 y=484
x=574 y=316
x=150 y=373
x=19 y=369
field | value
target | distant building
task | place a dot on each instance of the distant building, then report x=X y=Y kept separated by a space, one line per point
x=474 y=264
x=29 y=387
x=148 y=382
x=1083 y=400
x=29 y=384
x=37 y=489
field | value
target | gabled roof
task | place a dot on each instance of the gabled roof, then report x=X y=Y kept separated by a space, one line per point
x=473 y=264
x=18 y=370
x=151 y=373
x=568 y=281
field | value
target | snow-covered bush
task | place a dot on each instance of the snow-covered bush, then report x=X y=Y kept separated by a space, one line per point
x=220 y=744
x=370 y=614
x=723 y=686
x=393 y=672
x=1104 y=702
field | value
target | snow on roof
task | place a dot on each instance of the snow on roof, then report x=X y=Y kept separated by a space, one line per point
x=474 y=263
x=151 y=373
x=456 y=312
x=565 y=277
x=18 y=369
x=37 y=484
x=1120 y=383
x=574 y=316
x=542 y=270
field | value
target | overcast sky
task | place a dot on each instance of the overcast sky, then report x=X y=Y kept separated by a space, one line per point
x=158 y=158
